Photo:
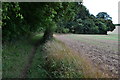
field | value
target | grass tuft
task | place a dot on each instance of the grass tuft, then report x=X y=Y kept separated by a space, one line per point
x=14 y=57
x=55 y=60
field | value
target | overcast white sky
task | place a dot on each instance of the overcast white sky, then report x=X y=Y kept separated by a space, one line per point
x=109 y=6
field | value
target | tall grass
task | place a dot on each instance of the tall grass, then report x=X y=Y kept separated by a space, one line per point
x=55 y=60
x=52 y=60
x=15 y=55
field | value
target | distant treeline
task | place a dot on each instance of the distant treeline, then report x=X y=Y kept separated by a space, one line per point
x=117 y=24
x=86 y=23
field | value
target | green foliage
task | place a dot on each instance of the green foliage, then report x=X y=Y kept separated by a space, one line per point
x=95 y=29
x=110 y=25
x=35 y=38
x=61 y=29
x=26 y=18
x=83 y=12
x=86 y=23
x=14 y=56
x=65 y=30
x=88 y=26
x=71 y=9
x=11 y=20
x=47 y=65
x=36 y=70
x=102 y=27
x=117 y=24
x=103 y=15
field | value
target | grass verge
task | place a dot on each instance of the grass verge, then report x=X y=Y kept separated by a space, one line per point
x=14 y=58
x=52 y=60
x=55 y=60
x=15 y=55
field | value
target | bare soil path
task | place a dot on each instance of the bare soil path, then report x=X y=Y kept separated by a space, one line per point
x=102 y=50
x=24 y=72
x=26 y=68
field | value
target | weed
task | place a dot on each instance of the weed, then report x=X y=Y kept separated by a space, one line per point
x=14 y=57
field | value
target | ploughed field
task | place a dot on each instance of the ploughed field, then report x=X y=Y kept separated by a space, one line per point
x=101 y=50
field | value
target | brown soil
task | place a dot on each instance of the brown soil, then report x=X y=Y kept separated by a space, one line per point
x=103 y=55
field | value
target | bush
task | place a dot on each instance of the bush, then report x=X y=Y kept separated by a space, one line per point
x=65 y=30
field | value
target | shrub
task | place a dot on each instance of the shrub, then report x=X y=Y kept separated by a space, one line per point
x=65 y=30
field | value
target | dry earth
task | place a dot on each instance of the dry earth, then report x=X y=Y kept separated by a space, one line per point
x=103 y=53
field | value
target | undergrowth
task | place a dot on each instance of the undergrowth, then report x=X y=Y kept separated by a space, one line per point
x=14 y=57
x=52 y=60
x=55 y=60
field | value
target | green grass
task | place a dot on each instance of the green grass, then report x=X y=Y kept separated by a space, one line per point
x=113 y=37
x=52 y=60
x=104 y=41
x=15 y=55
x=107 y=37
x=94 y=39
x=55 y=60
x=0 y=61
x=46 y=65
x=35 y=38
x=36 y=70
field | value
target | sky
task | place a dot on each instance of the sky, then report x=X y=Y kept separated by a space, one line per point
x=109 y=6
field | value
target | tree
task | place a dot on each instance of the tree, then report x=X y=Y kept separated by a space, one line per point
x=64 y=23
x=110 y=25
x=35 y=16
x=83 y=12
x=11 y=21
x=101 y=26
x=107 y=20
x=103 y=15
x=78 y=26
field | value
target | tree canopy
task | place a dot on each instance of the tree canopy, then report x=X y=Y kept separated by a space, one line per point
x=86 y=23
x=25 y=18
x=104 y=15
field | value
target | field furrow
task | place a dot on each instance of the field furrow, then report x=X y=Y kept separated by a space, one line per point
x=102 y=50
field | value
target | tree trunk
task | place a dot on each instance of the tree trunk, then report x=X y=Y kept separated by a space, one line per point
x=47 y=35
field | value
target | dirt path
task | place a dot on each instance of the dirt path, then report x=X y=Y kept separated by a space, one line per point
x=102 y=53
x=26 y=68
x=29 y=60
